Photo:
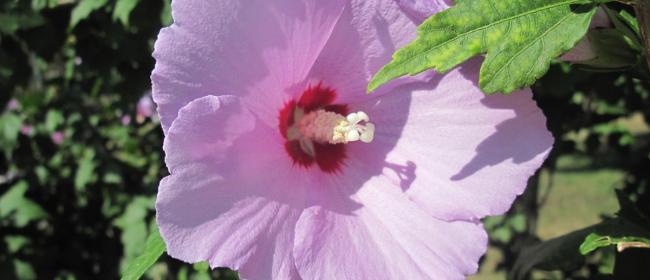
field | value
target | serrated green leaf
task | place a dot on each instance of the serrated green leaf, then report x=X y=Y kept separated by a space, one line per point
x=153 y=249
x=123 y=9
x=520 y=37
x=83 y=10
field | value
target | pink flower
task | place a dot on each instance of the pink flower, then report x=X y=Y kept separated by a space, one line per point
x=125 y=120
x=420 y=10
x=57 y=137
x=27 y=130
x=274 y=167
x=12 y=105
x=145 y=108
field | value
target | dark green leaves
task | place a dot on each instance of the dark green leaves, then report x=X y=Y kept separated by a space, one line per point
x=520 y=37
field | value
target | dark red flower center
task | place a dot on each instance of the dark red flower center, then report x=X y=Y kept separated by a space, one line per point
x=304 y=151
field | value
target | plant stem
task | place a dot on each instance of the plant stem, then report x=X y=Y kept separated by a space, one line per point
x=642 y=10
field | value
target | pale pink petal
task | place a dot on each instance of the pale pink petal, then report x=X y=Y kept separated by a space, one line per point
x=364 y=39
x=581 y=52
x=420 y=10
x=227 y=199
x=600 y=19
x=57 y=137
x=388 y=237
x=256 y=49
x=458 y=153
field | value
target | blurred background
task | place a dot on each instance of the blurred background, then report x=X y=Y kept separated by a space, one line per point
x=81 y=154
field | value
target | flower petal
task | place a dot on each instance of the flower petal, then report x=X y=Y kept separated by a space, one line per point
x=211 y=208
x=420 y=10
x=388 y=237
x=254 y=48
x=456 y=152
x=363 y=41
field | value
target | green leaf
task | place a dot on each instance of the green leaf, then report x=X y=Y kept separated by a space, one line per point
x=520 y=37
x=595 y=241
x=9 y=128
x=22 y=210
x=134 y=227
x=53 y=119
x=84 y=174
x=11 y=199
x=123 y=9
x=620 y=231
x=166 y=13
x=12 y=23
x=83 y=10
x=201 y=266
x=560 y=253
x=153 y=249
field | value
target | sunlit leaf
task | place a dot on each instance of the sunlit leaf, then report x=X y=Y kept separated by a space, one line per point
x=83 y=10
x=123 y=10
x=519 y=37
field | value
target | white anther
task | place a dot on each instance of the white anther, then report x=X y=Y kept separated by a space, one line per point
x=329 y=127
x=353 y=130
x=368 y=134
x=352 y=135
x=352 y=118
x=363 y=116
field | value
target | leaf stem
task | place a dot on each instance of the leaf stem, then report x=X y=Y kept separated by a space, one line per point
x=642 y=10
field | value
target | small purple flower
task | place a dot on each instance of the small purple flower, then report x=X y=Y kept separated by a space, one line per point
x=282 y=167
x=145 y=108
x=13 y=104
x=57 y=137
x=26 y=129
x=126 y=120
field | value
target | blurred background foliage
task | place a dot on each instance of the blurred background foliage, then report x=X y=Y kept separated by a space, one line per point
x=82 y=155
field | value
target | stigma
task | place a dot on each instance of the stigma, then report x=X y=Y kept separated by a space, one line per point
x=329 y=127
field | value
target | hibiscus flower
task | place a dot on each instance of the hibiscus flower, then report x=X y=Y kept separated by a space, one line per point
x=282 y=167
